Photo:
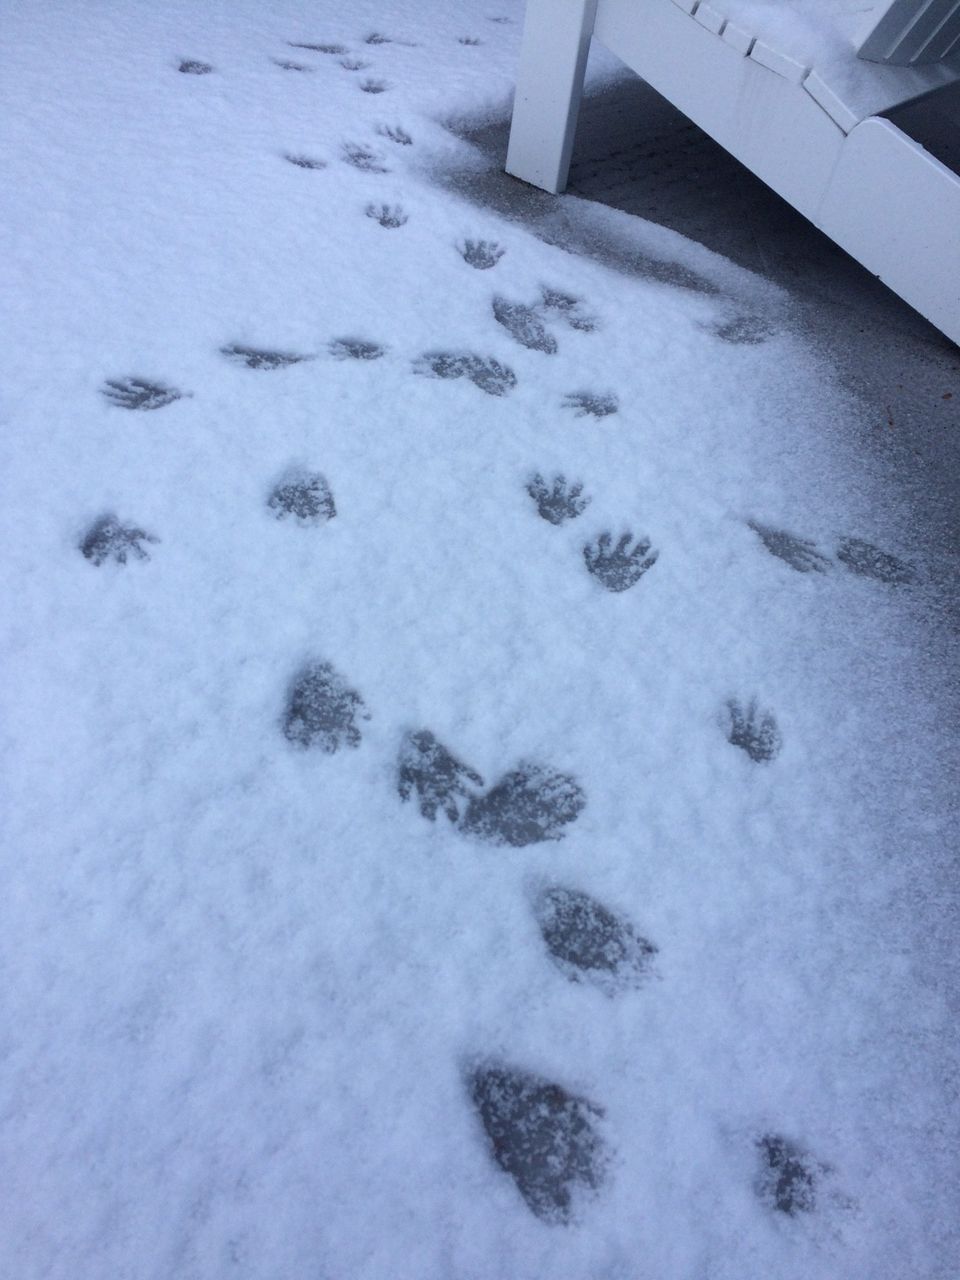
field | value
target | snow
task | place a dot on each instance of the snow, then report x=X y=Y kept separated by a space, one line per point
x=245 y=985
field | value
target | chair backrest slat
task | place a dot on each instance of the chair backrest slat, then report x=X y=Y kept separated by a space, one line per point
x=912 y=32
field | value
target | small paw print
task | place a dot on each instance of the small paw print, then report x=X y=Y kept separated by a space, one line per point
x=487 y=375
x=789 y=1176
x=108 y=539
x=254 y=358
x=362 y=158
x=481 y=254
x=190 y=67
x=390 y=216
x=435 y=774
x=443 y=364
x=591 y=403
x=355 y=349
x=524 y=326
x=305 y=162
x=623 y=566
x=318 y=48
x=868 y=561
x=322 y=710
x=545 y=1138
x=376 y=37
x=559 y=501
x=530 y=804
x=306 y=496
x=285 y=65
x=753 y=731
x=135 y=393
x=395 y=134
x=354 y=64
x=374 y=86
x=590 y=943
x=471 y=41
x=799 y=553
x=565 y=307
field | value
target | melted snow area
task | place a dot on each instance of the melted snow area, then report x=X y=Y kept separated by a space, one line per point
x=475 y=802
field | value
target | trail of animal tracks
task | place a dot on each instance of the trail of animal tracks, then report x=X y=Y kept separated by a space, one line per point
x=474 y=795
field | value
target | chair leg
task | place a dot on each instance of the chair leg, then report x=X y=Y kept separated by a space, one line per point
x=553 y=58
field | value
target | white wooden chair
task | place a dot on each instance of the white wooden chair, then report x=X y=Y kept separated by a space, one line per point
x=804 y=103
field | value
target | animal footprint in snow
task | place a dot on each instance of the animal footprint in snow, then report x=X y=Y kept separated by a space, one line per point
x=620 y=568
x=789 y=1177
x=589 y=943
x=565 y=307
x=591 y=403
x=752 y=730
x=304 y=495
x=558 y=502
x=363 y=158
x=289 y=66
x=486 y=374
x=319 y=48
x=443 y=364
x=377 y=37
x=395 y=134
x=108 y=539
x=524 y=326
x=190 y=67
x=868 y=561
x=435 y=774
x=354 y=64
x=306 y=162
x=322 y=710
x=490 y=376
x=374 y=86
x=531 y=804
x=469 y=40
x=355 y=349
x=799 y=553
x=542 y=1136
x=481 y=254
x=254 y=358
x=390 y=216
x=134 y=393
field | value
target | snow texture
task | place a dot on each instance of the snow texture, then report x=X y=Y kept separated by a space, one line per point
x=380 y=690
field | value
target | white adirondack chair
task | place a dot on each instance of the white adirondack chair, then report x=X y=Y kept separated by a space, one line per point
x=798 y=92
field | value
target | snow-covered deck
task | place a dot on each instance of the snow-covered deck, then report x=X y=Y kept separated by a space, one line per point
x=476 y=793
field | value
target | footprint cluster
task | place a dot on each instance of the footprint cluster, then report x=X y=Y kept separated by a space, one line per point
x=854 y=554
x=529 y=324
x=530 y=804
x=547 y=1139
